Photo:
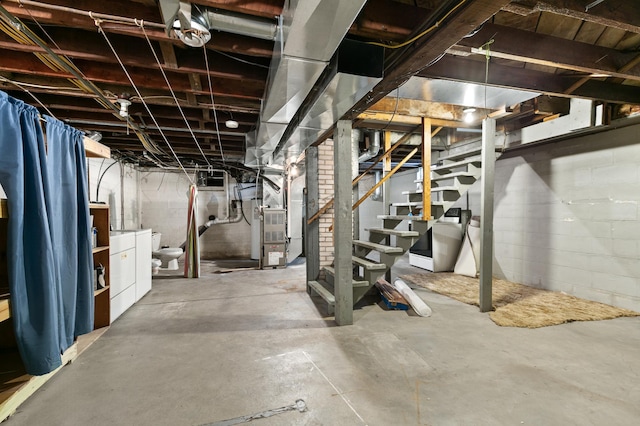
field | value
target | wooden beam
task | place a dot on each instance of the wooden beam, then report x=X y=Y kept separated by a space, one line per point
x=96 y=149
x=467 y=69
x=168 y=55
x=516 y=45
x=426 y=169
x=421 y=108
x=386 y=165
x=427 y=49
x=386 y=177
x=405 y=120
x=225 y=42
x=20 y=63
x=624 y=15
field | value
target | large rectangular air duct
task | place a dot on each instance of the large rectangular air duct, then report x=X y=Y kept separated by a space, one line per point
x=300 y=57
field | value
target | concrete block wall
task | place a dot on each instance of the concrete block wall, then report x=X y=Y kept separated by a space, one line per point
x=567 y=219
x=113 y=190
x=369 y=209
x=325 y=185
x=164 y=201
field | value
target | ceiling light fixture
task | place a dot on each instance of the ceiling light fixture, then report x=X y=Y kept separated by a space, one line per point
x=231 y=124
x=468 y=114
x=196 y=36
x=124 y=102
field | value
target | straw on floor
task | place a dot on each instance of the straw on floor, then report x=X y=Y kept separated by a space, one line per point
x=517 y=305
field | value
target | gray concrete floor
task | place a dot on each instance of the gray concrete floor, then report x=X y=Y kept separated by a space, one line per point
x=196 y=352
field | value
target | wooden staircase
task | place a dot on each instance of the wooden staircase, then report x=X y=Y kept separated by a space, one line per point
x=451 y=178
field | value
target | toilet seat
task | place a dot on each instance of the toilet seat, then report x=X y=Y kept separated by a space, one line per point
x=169 y=251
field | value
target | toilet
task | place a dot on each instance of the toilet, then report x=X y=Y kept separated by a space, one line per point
x=168 y=256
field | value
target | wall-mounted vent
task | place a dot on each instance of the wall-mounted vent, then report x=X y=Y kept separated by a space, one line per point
x=213 y=178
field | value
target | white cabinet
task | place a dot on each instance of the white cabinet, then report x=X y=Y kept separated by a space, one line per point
x=130 y=274
x=143 y=263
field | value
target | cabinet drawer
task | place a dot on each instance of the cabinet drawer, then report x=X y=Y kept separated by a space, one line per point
x=121 y=241
x=122 y=302
x=123 y=270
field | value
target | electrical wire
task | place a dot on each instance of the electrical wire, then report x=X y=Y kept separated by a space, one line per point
x=239 y=195
x=423 y=33
x=213 y=104
x=101 y=31
x=38 y=86
x=141 y=25
x=487 y=48
x=28 y=92
x=49 y=37
x=100 y=178
x=235 y=58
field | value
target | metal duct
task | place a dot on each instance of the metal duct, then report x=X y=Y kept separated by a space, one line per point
x=374 y=147
x=300 y=57
x=192 y=24
x=238 y=24
x=356 y=68
x=377 y=194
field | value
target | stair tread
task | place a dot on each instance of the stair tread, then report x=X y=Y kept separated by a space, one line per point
x=416 y=204
x=433 y=189
x=394 y=232
x=400 y=217
x=445 y=188
x=453 y=175
x=357 y=282
x=469 y=152
x=322 y=291
x=474 y=159
x=368 y=264
x=379 y=247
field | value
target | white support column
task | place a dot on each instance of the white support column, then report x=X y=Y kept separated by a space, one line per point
x=342 y=230
x=486 y=218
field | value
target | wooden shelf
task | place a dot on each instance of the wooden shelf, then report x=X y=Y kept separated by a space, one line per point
x=99 y=249
x=98 y=206
x=4 y=209
x=102 y=290
x=96 y=149
x=5 y=313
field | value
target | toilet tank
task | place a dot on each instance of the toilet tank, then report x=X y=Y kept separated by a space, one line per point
x=155 y=241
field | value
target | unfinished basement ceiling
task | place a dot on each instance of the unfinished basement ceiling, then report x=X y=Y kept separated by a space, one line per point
x=556 y=48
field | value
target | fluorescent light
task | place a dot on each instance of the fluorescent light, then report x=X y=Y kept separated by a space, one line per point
x=231 y=124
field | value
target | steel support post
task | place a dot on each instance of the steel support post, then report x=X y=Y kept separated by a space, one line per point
x=312 y=204
x=342 y=230
x=486 y=218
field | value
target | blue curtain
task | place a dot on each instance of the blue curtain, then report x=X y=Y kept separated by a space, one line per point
x=70 y=228
x=39 y=298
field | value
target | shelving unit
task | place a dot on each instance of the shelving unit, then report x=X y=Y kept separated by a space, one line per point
x=100 y=213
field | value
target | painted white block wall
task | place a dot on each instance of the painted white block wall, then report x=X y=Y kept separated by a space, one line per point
x=163 y=198
x=567 y=219
x=369 y=209
x=112 y=189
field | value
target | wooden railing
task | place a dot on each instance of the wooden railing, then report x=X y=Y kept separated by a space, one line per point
x=386 y=154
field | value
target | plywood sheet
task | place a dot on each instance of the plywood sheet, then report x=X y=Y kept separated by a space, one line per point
x=589 y=32
x=558 y=26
